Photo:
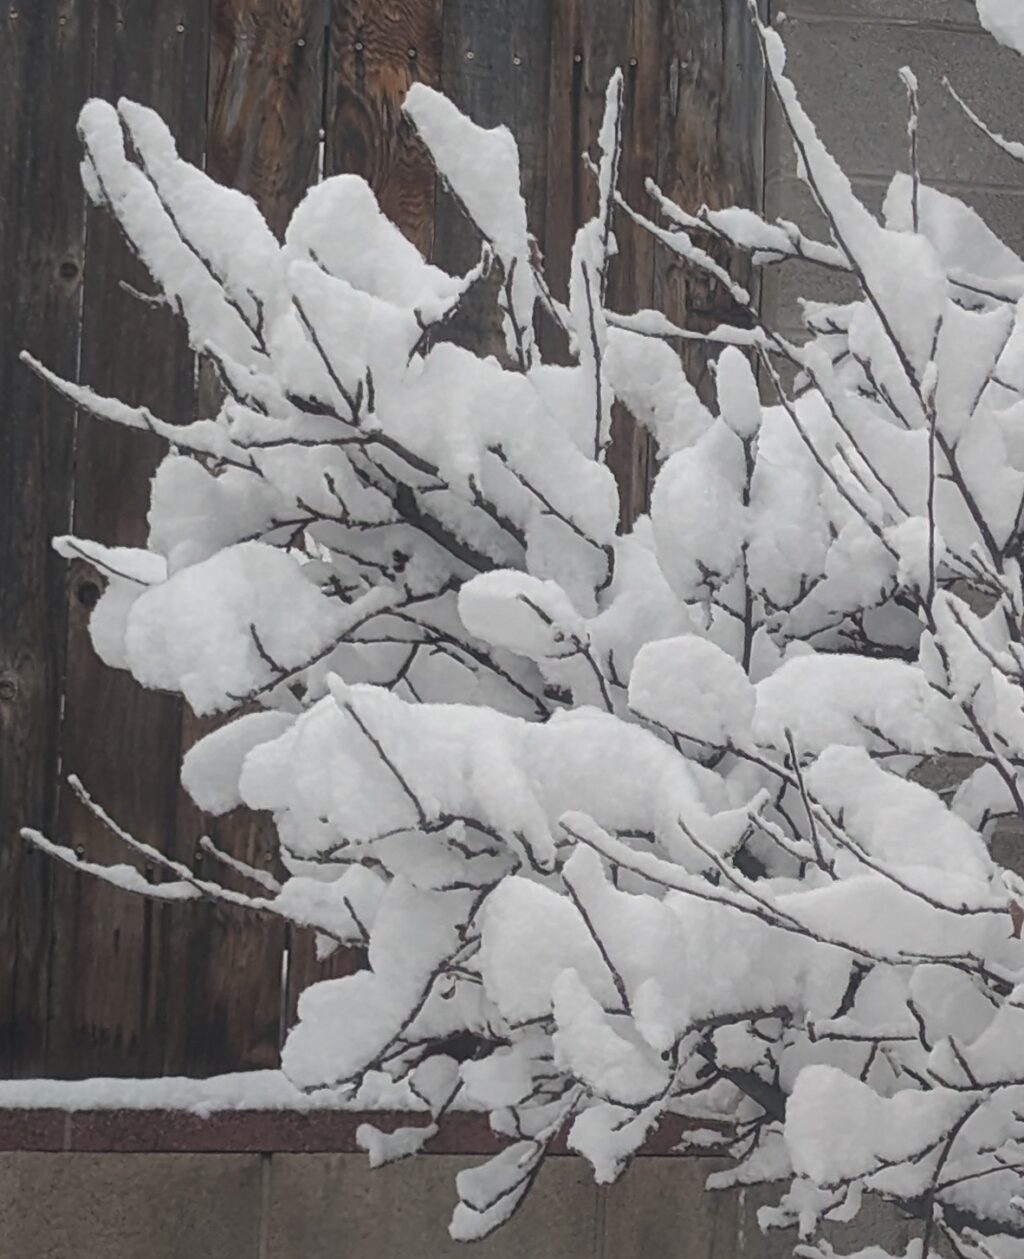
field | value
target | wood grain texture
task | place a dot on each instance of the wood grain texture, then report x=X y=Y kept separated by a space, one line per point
x=223 y=966
x=377 y=49
x=710 y=152
x=266 y=71
x=693 y=120
x=106 y=1008
x=41 y=252
x=586 y=49
x=91 y=980
x=495 y=67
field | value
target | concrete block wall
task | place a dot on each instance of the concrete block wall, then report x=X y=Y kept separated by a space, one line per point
x=331 y=1206
x=844 y=56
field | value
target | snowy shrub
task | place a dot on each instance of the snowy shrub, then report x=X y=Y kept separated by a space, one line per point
x=643 y=817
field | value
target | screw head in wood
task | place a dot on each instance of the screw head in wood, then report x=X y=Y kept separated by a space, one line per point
x=358 y=45
x=180 y=28
x=517 y=61
x=470 y=54
x=632 y=61
x=301 y=43
x=411 y=54
x=577 y=57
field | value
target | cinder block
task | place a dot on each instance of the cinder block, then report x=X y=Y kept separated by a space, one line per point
x=789 y=198
x=661 y=1208
x=847 y=76
x=1008 y=847
x=955 y=13
x=129 y=1206
x=1002 y=211
x=784 y=284
x=332 y=1206
x=876 y=1224
x=751 y=1241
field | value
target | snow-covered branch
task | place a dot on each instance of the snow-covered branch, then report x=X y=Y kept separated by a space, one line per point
x=696 y=818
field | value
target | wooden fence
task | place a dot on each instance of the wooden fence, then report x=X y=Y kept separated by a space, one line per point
x=97 y=982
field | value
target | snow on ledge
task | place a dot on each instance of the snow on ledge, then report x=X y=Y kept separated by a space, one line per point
x=241 y=1091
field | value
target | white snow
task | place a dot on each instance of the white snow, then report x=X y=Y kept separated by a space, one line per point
x=1005 y=20
x=704 y=816
x=239 y=1091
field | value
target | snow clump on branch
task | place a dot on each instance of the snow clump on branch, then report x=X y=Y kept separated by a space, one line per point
x=642 y=816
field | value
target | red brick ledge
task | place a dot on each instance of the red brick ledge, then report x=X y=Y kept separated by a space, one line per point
x=256 y=1132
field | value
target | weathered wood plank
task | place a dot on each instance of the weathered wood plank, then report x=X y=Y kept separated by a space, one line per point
x=266 y=71
x=129 y=988
x=495 y=68
x=266 y=68
x=586 y=48
x=376 y=51
x=106 y=1010
x=42 y=42
x=693 y=120
x=711 y=130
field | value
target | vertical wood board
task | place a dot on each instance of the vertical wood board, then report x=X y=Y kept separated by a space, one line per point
x=495 y=68
x=91 y=980
x=42 y=42
x=711 y=152
x=266 y=81
x=375 y=52
x=105 y=1009
x=266 y=76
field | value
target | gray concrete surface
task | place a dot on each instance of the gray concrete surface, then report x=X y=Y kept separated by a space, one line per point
x=130 y=1206
x=331 y=1206
x=844 y=56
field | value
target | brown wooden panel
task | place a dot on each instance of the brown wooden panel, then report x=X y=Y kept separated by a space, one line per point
x=693 y=120
x=586 y=49
x=97 y=982
x=107 y=1009
x=220 y=977
x=710 y=151
x=495 y=68
x=542 y=67
x=45 y=51
x=265 y=100
x=223 y=968
x=376 y=51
